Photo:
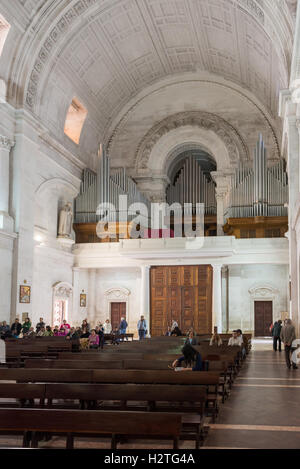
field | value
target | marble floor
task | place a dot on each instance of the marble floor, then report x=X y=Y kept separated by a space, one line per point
x=263 y=411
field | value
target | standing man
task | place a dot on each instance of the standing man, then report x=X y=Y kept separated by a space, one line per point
x=40 y=325
x=122 y=328
x=287 y=336
x=142 y=328
x=16 y=328
x=276 y=330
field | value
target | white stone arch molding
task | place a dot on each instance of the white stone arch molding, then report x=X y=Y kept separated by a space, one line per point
x=62 y=291
x=60 y=186
x=263 y=292
x=117 y=295
x=211 y=132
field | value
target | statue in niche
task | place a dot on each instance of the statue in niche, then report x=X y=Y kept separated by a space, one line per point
x=65 y=221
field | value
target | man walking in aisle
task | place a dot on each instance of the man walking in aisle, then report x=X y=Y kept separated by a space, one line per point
x=287 y=336
x=276 y=330
x=142 y=328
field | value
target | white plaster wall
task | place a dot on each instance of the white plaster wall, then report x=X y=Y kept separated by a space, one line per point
x=244 y=277
x=6 y=259
x=50 y=267
x=105 y=279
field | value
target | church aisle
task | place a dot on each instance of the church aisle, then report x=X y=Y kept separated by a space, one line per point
x=263 y=409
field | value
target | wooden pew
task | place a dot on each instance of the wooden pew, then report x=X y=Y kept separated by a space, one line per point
x=24 y=375
x=74 y=364
x=115 y=357
x=91 y=422
x=162 y=398
x=210 y=380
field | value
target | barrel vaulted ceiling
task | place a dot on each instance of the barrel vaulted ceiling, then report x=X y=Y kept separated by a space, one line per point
x=108 y=53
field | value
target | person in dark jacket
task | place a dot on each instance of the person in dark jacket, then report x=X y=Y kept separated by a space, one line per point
x=16 y=328
x=176 y=332
x=276 y=330
x=192 y=359
x=288 y=335
x=122 y=328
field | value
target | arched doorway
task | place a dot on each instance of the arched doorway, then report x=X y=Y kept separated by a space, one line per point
x=62 y=302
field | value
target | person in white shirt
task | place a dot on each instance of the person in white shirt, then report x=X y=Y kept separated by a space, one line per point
x=107 y=327
x=174 y=324
x=235 y=340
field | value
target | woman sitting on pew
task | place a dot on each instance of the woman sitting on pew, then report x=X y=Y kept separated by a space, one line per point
x=216 y=339
x=191 y=357
x=93 y=340
x=26 y=326
x=191 y=338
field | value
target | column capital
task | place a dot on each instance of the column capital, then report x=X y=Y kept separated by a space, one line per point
x=6 y=143
x=217 y=267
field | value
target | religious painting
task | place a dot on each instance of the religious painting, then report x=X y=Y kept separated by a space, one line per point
x=24 y=316
x=82 y=300
x=25 y=293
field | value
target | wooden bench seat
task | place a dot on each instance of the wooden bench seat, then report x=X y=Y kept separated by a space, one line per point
x=114 y=424
x=153 y=398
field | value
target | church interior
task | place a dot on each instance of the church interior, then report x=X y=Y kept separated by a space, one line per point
x=149 y=166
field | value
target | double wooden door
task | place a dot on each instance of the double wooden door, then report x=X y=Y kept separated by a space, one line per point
x=181 y=293
x=118 y=311
x=263 y=313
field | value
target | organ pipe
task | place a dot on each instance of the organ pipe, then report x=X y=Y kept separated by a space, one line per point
x=102 y=187
x=260 y=191
x=192 y=186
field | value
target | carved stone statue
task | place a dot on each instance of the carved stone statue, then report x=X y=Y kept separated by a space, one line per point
x=65 y=221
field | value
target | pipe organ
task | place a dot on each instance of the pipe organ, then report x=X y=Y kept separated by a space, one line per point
x=106 y=188
x=193 y=186
x=259 y=191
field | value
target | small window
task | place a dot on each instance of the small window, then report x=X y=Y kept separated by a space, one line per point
x=4 y=30
x=75 y=119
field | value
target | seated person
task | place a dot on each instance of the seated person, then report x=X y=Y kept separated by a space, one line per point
x=4 y=328
x=65 y=326
x=235 y=340
x=107 y=327
x=41 y=332
x=240 y=335
x=216 y=339
x=84 y=333
x=48 y=332
x=93 y=340
x=191 y=357
x=30 y=333
x=191 y=338
x=168 y=333
x=71 y=333
x=26 y=326
x=176 y=332
x=62 y=331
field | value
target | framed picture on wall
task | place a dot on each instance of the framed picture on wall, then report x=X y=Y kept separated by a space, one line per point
x=82 y=300
x=24 y=316
x=25 y=293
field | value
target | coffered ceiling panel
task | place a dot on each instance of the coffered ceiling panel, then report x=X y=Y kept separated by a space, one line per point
x=106 y=52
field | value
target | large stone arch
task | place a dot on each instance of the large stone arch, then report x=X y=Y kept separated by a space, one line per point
x=209 y=131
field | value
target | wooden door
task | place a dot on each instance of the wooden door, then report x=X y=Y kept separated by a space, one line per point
x=181 y=293
x=118 y=311
x=263 y=313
